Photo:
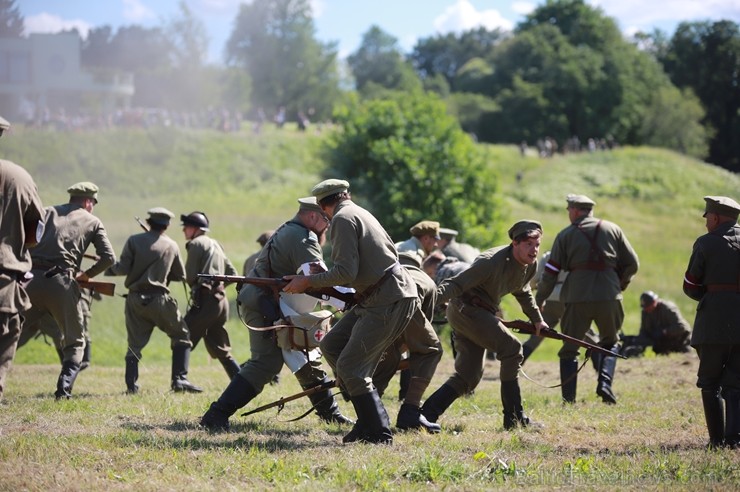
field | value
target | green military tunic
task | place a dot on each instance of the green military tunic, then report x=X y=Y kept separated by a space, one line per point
x=664 y=328
x=601 y=263
x=69 y=231
x=713 y=279
x=150 y=261
x=362 y=253
x=209 y=309
x=19 y=205
x=494 y=274
x=414 y=249
x=290 y=246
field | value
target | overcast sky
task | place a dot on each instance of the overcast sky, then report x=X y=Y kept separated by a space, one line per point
x=344 y=21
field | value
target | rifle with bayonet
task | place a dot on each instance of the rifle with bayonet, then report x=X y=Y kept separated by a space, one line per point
x=277 y=284
x=527 y=327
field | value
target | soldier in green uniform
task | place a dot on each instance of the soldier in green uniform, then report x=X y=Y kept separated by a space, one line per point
x=365 y=258
x=57 y=259
x=601 y=264
x=662 y=327
x=292 y=246
x=474 y=296
x=151 y=260
x=21 y=215
x=713 y=279
x=451 y=248
x=423 y=240
x=252 y=259
x=209 y=307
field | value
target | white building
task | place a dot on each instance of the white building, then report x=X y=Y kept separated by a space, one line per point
x=42 y=74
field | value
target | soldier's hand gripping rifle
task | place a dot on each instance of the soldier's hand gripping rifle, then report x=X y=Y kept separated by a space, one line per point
x=277 y=284
x=527 y=327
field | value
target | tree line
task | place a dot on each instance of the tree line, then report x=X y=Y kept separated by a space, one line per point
x=565 y=71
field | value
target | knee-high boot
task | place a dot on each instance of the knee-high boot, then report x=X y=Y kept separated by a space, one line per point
x=180 y=363
x=440 y=401
x=373 y=425
x=230 y=366
x=237 y=394
x=732 y=417
x=606 y=378
x=132 y=375
x=511 y=400
x=568 y=379
x=66 y=379
x=715 y=417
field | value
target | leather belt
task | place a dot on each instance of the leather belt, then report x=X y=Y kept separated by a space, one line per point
x=722 y=288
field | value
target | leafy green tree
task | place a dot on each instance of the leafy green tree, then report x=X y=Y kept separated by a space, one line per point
x=188 y=37
x=705 y=57
x=379 y=60
x=11 y=20
x=409 y=160
x=672 y=121
x=273 y=41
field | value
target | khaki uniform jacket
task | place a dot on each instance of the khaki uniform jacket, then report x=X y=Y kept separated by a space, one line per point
x=413 y=248
x=19 y=203
x=206 y=255
x=665 y=317
x=290 y=246
x=714 y=261
x=361 y=253
x=601 y=265
x=492 y=275
x=70 y=229
x=149 y=260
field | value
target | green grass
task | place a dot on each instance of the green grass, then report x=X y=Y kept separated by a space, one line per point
x=102 y=439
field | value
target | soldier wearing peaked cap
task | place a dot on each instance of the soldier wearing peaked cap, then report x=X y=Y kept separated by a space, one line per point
x=713 y=279
x=251 y=259
x=150 y=261
x=70 y=229
x=209 y=307
x=452 y=248
x=364 y=257
x=293 y=247
x=601 y=264
x=474 y=296
x=424 y=238
x=21 y=219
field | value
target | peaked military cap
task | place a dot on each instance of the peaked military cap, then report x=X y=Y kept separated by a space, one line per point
x=309 y=203
x=647 y=298
x=447 y=233
x=329 y=187
x=195 y=219
x=580 y=201
x=160 y=215
x=84 y=189
x=721 y=205
x=524 y=227
x=426 y=228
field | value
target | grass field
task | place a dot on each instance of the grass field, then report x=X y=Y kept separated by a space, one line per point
x=102 y=439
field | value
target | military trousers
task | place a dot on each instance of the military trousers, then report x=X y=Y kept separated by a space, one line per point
x=59 y=296
x=206 y=320
x=476 y=330
x=578 y=316
x=719 y=366
x=10 y=331
x=144 y=311
x=356 y=343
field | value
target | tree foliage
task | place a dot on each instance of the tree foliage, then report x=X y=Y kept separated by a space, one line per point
x=705 y=57
x=409 y=161
x=11 y=20
x=274 y=42
x=672 y=121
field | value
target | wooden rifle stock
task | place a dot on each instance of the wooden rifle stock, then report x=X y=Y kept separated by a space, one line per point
x=277 y=284
x=105 y=288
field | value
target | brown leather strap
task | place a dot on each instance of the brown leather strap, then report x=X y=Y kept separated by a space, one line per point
x=595 y=267
x=722 y=288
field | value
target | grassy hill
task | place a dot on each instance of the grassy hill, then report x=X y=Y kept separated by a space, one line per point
x=248 y=183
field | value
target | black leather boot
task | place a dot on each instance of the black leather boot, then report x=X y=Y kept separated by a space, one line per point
x=66 y=379
x=180 y=363
x=568 y=379
x=237 y=394
x=85 y=356
x=410 y=417
x=526 y=352
x=132 y=375
x=511 y=400
x=404 y=379
x=732 y=417
x=230 y=366
x=440 y=401
x=606 y=377
x=327 y=407
x=373 y=425
x=715 y=417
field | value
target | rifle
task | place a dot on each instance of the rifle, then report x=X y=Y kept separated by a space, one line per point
x=276 y=284
x=105 y=288
x=143 y=226
x=527 y=327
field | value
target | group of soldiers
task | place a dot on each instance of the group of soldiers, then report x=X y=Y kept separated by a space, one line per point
x=394 y=290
